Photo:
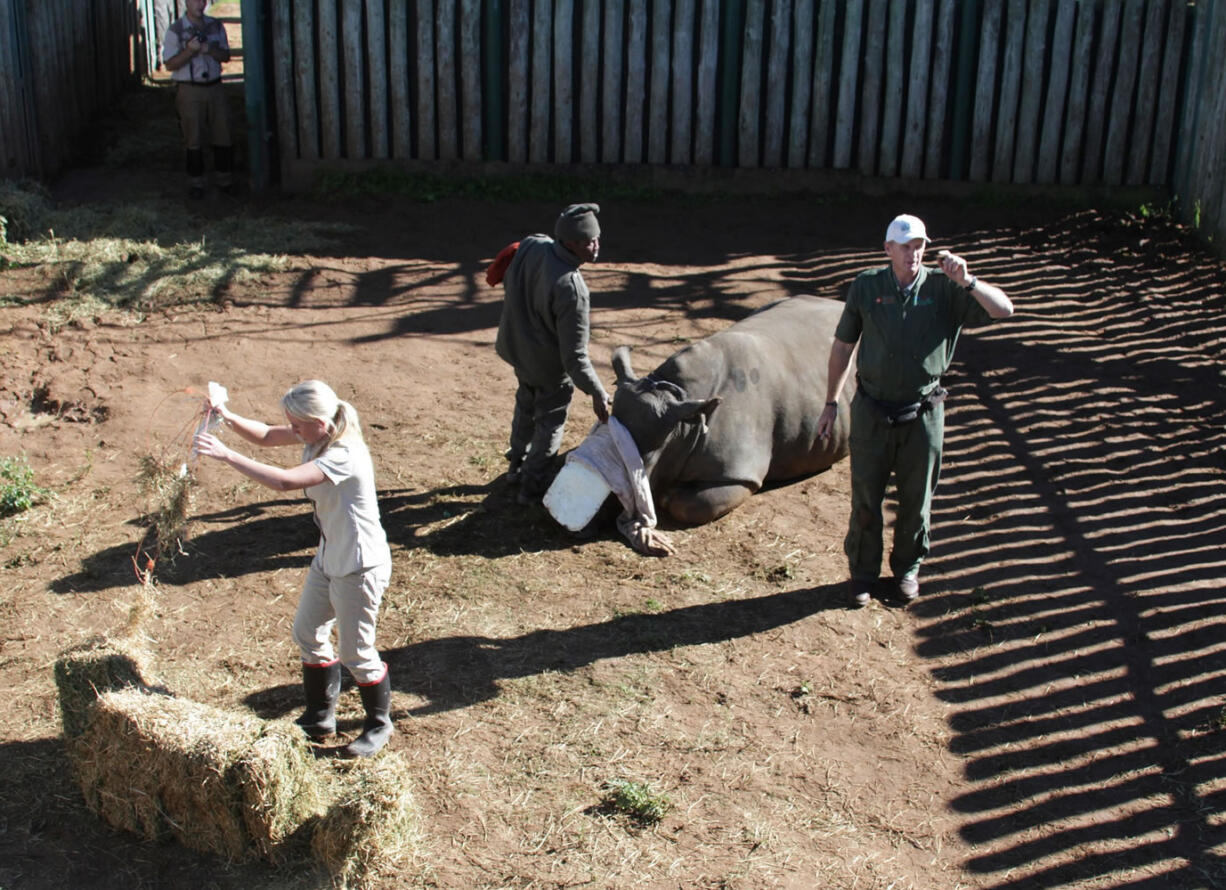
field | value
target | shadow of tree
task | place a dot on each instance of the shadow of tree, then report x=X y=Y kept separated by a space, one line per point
x=457 y=672
x=278 y=534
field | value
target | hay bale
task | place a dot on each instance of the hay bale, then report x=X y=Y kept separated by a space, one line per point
x=162 y=766
x=86 y=671
x=372 y=826
x=224 y=782
x=283 y=789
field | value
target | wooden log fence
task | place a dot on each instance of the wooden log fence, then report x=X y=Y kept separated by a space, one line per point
x=62 y=64
x=1022 y=92
x=1077 y=92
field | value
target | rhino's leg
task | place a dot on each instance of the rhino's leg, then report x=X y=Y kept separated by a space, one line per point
x=697 y=504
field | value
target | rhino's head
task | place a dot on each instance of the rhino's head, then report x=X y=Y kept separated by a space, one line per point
x=652 y=409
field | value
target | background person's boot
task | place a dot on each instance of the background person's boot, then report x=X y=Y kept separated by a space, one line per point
x=322 y=684
x=377 y=700
x=223 y=166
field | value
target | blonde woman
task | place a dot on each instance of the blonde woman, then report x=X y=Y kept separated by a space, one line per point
x=351 y=568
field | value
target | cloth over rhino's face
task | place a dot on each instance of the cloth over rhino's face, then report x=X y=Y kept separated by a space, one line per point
x=650 y=409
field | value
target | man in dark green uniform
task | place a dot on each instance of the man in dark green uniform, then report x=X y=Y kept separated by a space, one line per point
x=906 y=318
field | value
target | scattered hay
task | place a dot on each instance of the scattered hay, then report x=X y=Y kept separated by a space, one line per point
x=24 y=209
x=173 y=490
x=372 y=827
x=143 y=604
x=86 y=671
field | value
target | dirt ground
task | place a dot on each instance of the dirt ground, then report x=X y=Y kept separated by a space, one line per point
x=1049 y=714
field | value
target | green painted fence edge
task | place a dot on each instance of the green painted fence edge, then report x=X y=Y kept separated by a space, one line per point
x=255 y=93
x=491 y=62
x=732 y=31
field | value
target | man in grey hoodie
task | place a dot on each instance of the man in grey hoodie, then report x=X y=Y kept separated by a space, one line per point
x=543 y=335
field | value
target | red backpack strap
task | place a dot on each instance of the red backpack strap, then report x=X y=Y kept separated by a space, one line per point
x=498 y=268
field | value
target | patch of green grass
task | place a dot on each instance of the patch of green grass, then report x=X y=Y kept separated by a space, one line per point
x=780 y=574
x=691 y=577
x=636 y=800
x=18 y=492
x=1157 y=211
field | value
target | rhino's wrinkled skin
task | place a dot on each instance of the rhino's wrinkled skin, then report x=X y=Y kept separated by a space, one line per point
x=727 y=414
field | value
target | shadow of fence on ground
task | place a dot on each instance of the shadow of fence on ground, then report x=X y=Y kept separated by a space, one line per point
x=1076 y=610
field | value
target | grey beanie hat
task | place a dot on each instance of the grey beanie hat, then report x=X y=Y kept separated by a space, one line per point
x=577 y=223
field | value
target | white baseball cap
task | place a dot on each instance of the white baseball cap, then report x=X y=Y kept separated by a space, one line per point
x=904 y=228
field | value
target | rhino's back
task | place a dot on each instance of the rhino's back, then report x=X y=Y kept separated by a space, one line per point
x=769 y=370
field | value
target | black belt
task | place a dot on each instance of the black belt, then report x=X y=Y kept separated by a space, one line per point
x=899 y=413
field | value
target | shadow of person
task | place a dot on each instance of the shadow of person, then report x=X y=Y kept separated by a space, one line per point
x=470 y=520
x=456 y=672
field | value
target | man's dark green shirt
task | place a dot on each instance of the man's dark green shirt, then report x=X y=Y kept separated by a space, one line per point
x=907 y=337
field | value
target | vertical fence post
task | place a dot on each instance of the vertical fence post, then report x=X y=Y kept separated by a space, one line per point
x=613 y=66
x=495 y=118
x=519 y=42
x=255 y=93
x=708 y=93
x=964 y=90
x=730 y=83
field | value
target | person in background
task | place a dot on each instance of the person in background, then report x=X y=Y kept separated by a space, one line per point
x=164 y=12
x=906 y=318
x=352 y=566
x=193 y=50
x=543 y=334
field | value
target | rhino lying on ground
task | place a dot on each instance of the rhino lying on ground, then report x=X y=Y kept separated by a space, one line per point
x=727 y=414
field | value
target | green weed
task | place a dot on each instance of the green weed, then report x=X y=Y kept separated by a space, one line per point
x=780 y=574
x=1157 y=211
x=18 y=492
x=636 y=800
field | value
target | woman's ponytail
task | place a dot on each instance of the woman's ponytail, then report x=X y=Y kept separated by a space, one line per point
x=315 y=400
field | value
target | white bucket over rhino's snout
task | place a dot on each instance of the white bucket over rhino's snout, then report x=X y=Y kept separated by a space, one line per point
x=576 y=495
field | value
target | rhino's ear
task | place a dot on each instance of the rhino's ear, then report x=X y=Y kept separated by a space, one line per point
x=697 y=411
x=621 y=365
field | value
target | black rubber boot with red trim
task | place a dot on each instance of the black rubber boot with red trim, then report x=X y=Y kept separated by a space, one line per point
x=377 y=729
x=322 y=685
